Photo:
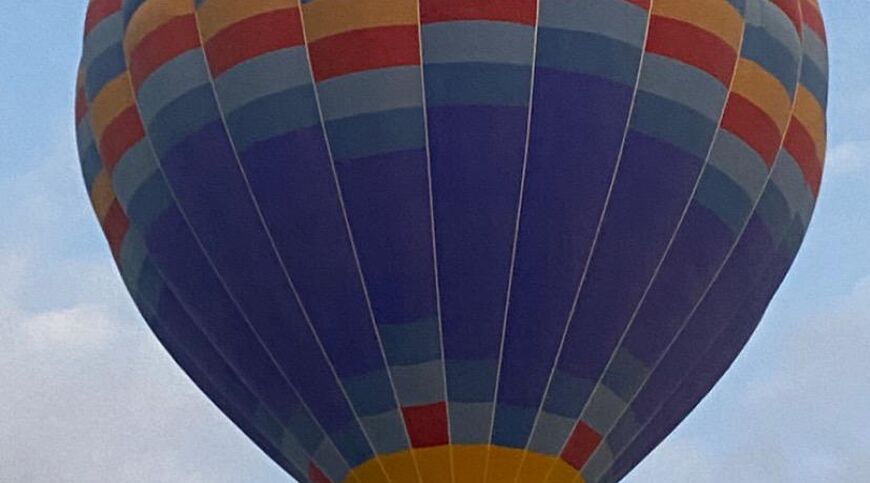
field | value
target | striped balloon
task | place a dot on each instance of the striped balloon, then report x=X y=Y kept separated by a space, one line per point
x=453 y=240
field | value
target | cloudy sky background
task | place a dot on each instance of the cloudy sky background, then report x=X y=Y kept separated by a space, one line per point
x=87 y=394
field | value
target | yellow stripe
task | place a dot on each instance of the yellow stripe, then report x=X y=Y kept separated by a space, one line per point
x=536 y=465
x=762 y=89
x=468 y=463
x=216 y=15
x=150 y=16
x=434 y=464
x=111 y=101
x=102 y=195
x=715 y=16
x=398 y=465
x=323 y=19
x=503 y=464
x=809 y=112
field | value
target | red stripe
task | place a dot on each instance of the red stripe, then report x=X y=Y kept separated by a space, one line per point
x=81 y=105
x=365 y=49
x=427 y=425
x=802 y=148
x=644 y=4
x=252 y=37
x=753 y=126
x=792 y=9
x=163 y=44
x=687 y=43
x=517 y=11
x=580 y=446
x=120 y=135
x=115 y=226
x=813 y=19
x=98 y=10
x=315 y=475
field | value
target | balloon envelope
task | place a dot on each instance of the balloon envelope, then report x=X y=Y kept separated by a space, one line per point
x=443 y=240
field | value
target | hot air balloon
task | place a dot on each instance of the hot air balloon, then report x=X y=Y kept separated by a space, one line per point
x=453 y=240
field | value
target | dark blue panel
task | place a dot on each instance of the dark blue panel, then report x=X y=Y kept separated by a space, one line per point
x=698 y=251
x=178 y=257
x=387 y=201
x=292 y=179
x=652 y=189
x=208 y=370
x=577 y=127
x=220 y=210
x=477 y=157
x=721 y=303
x=714 y=336
x=107 y=66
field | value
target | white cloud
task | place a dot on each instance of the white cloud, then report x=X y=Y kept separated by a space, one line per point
x=848 y=158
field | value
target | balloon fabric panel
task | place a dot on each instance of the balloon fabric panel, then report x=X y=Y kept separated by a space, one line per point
x=469 y=241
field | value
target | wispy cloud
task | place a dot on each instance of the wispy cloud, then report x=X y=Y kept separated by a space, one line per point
x=848 y=158
x=86 y=392
x=802 y=418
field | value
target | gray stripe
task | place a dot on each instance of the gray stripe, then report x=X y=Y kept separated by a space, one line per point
x=732 y=156
x=668 y=78
x=386 y=431
x=616 y=19
x=105 y=35
x=598 y=463
x=625 y=375
x=84 y=134
x=135 y=168
x=293 y=451
x=753 y=12
x=133 y=255
x=624 y=431
x=603 y=409
x=171 y=81
x=419 y=384
x=330 y=461
x=261 y=76
x=469 y=422
x=777 y=24
x=478 y=41
x=815 y=49
x=411 y=343
x=789 y=178
x=371 y=91
x=550 y=433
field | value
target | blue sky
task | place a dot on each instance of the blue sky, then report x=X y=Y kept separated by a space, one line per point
x=93 y=398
